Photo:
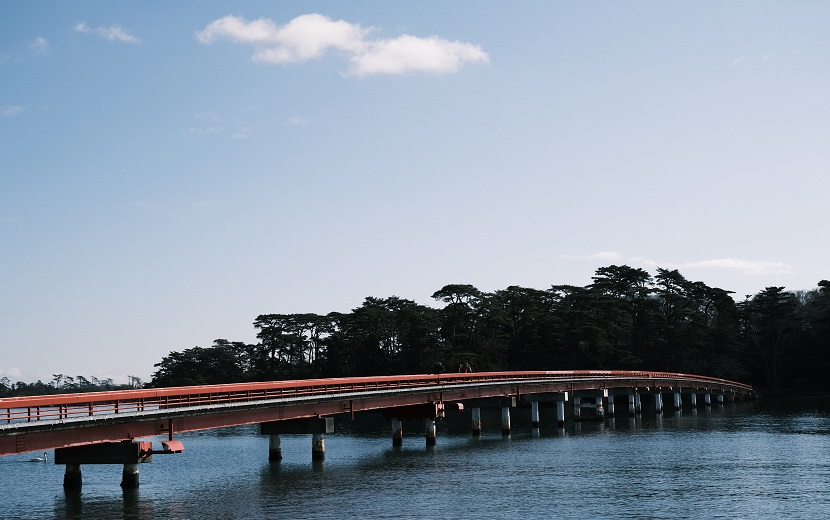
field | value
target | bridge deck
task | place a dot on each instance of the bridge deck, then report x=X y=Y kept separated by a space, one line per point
x=46 y=422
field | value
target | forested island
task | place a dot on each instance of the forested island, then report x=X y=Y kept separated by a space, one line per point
x=776 y=340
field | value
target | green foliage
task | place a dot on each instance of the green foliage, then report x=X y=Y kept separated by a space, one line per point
x=625 y=319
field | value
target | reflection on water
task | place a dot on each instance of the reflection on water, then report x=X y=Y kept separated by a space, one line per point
x=757 y=459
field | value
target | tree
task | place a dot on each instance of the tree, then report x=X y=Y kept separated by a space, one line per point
x=222 y=363
x=771 y=333
x=383 y=336
x=623 y=295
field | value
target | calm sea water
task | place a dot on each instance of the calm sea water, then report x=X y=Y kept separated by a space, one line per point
x=744 y=460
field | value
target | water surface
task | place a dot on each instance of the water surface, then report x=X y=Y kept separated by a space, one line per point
x=744 y=460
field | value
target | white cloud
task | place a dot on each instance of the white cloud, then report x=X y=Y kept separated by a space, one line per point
x=39 y=45
x=306 y=37
x=745 y=267
x=739 y=61
x=14 y=374
x=407 y=53
x=11 y=110
x=113 y=33
x=311 y=36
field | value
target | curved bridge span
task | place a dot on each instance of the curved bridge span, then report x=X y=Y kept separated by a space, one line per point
x=59 y=421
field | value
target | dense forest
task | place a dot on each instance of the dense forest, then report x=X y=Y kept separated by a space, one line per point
x=777 y=340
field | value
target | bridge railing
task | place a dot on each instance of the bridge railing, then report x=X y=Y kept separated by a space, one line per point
x=68 y=406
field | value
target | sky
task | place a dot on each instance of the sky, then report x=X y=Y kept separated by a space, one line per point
x=171 y=170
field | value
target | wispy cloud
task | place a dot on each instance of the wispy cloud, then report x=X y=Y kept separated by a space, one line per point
x=745 y=267
x=296 y=121
x=113 y=33
x=14 y=374
x=311 y=36
x=25 y=50
x=11 y=110
x=203 y=130
x=39 y=45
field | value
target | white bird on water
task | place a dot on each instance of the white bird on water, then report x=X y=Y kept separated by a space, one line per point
x=40 y=459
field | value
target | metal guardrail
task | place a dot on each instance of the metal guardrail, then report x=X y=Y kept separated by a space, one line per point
x=16 y=410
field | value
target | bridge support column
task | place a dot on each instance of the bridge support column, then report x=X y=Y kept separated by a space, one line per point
x=638 y=403
x=610 y=404
x=678 y=401
x=560 y=413
x=577 y=407
x=599 y=405
x=707 y=399
x=720 y=398
x=397 y=432
x=631 y=407
x=72 y=478
x=476 y=421
x=128 y=453
x=429 y=430
x=318 y=446
x=505 y=420
x=274 y=447
x=129 y=476
x=694 y=399
x=316 y=426
x=658 y=403
x=534 y=414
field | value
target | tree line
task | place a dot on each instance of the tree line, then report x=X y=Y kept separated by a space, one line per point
x=63 y=384
x=625 y=319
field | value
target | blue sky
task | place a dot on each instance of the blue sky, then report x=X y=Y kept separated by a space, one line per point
x=171 y=170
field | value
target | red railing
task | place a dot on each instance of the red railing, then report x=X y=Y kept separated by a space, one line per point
x=67 y=406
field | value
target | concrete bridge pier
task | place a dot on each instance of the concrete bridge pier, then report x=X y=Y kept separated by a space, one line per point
x=128 y=453
x=274 y=447
x=129 y=476
x=318 y=446
x=534 y=414
x=600 y=409
x=707 y=398
x=430 y=431
x=694 y=399
x=397 y=432
x=72 y=478
x=577 y=408
x=316 y=426
x=428 y=412
x=720 y=398
x=678 y=401
x=610 y=411
x=505 y=420
x=638 y=403
x=658 y=403
x=632 y=408
x=476 y=421
x=558 y=397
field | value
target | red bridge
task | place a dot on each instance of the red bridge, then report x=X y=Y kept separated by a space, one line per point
x=102 y=427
